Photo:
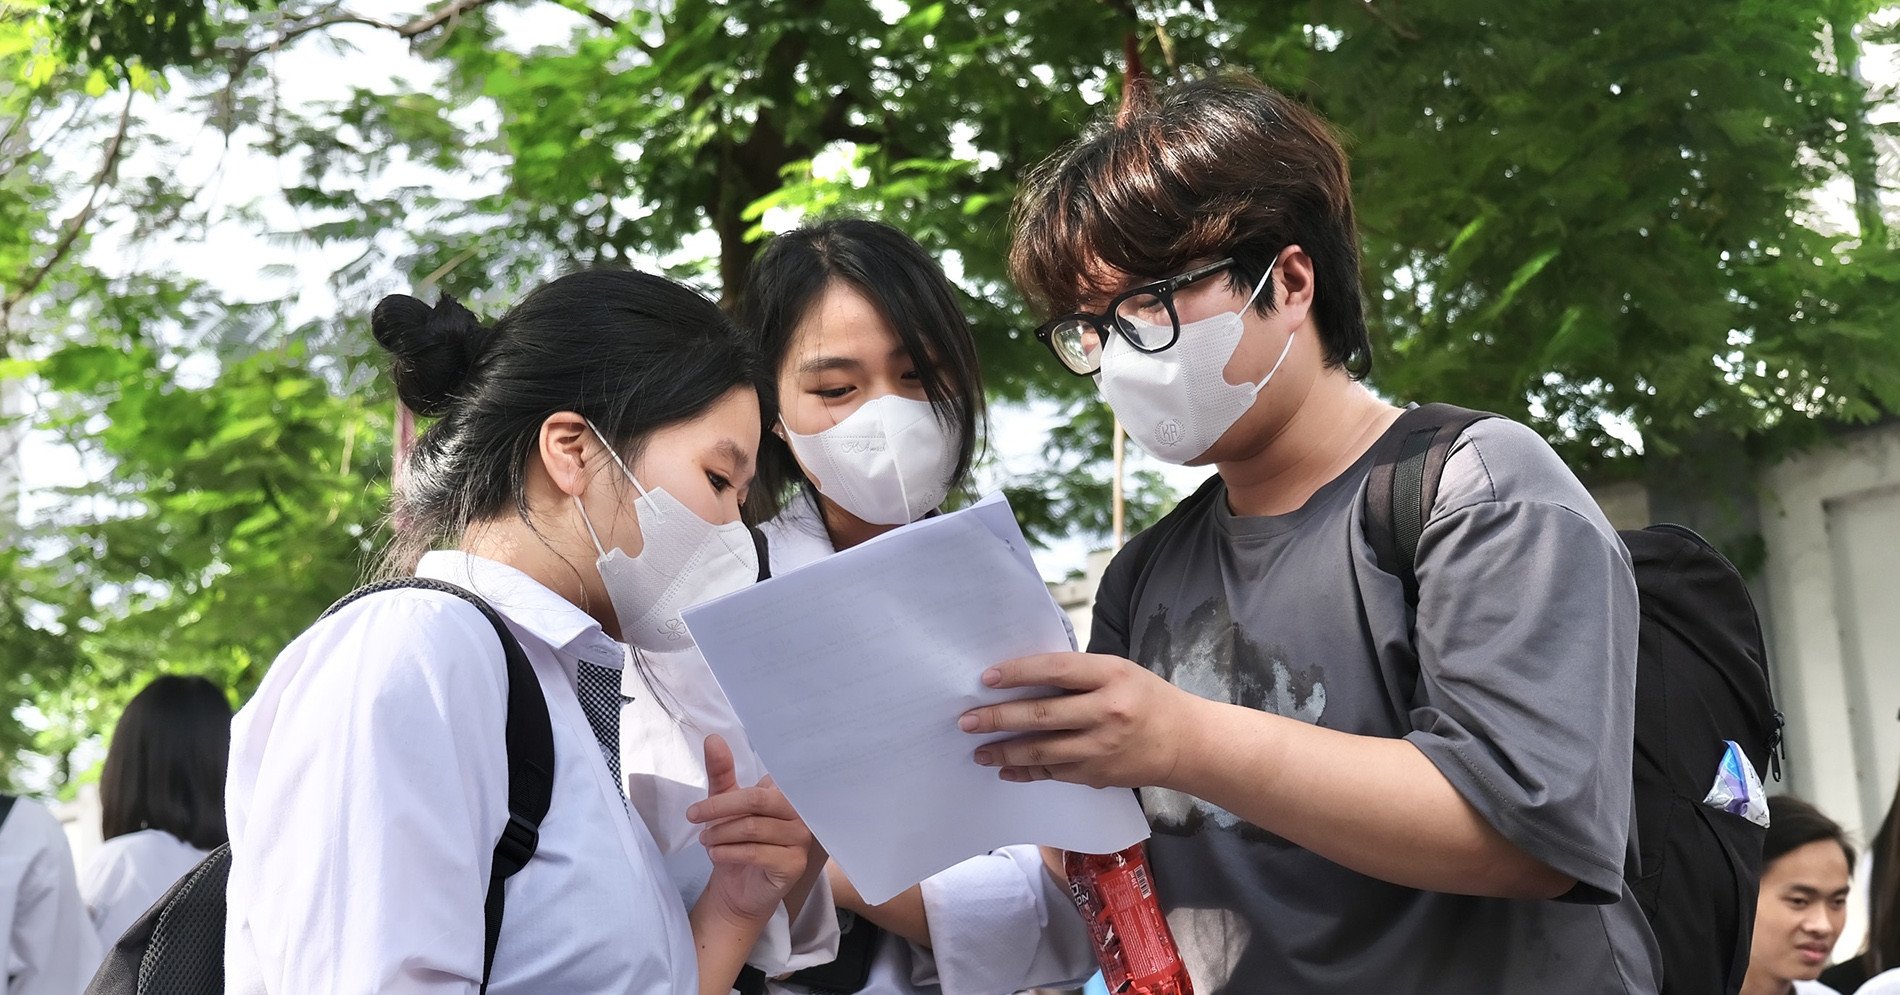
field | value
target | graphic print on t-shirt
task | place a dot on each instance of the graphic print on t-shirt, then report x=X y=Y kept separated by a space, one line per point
x=1205 y=654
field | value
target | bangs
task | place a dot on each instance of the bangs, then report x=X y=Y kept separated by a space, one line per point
x=1126 y=204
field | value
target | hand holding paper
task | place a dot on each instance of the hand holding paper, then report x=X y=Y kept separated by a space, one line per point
x=850 y=675
x=1119 y=727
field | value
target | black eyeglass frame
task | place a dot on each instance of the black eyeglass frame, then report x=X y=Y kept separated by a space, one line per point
x=1106 y=325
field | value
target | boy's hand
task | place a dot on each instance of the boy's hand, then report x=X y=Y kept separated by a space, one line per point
x=1120 y=726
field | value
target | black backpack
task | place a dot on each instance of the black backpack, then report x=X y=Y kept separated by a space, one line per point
x=177 y=946
x=1701 y=678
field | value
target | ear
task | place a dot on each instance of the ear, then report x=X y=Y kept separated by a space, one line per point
x=1293 y=279
x=566 y=447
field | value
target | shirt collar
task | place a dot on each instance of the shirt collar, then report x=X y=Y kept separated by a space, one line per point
x=527 y=603
x=796 y=536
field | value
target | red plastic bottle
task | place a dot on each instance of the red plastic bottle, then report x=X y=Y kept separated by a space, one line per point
x=1115 y=894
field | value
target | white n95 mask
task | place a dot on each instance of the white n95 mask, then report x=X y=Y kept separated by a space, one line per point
x=1177 y=403
x=888 y=463
x=684 y=560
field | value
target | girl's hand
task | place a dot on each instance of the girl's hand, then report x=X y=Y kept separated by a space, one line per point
x=759 y=846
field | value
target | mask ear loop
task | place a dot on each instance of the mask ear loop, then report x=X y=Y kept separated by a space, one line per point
x=591 y=534
x=1262 y=385
x=1266 y=279
x=617 y=462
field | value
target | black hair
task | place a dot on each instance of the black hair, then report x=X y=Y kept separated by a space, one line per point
x=907 y=287
x=1883 y=899
x=629 y=351
x=165 y=768
x=1793 y=824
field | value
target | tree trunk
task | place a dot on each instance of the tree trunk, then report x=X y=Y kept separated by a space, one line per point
x=1857 y=143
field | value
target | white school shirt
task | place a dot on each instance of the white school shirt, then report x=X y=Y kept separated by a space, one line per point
x=671 y=709
x=1884 y=983
x=50 y=947
x=128 y=874
x=998 y=923
x=368 y=785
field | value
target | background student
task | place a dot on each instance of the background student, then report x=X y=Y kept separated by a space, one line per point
x=49 y=945
x=1806 y=865
x=583 y=475
x=880 y=413
x=162 y=794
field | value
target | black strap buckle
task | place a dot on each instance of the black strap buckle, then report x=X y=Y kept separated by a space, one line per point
x=519 y=838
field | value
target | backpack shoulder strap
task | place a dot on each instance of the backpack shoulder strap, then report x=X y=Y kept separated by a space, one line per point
x=762 y=547
x=1408 y=461
x=530 y=742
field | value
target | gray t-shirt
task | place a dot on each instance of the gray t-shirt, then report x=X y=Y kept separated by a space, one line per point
x=1525 y=673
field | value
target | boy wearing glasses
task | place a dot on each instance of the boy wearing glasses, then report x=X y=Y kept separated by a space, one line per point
x=1324 y=820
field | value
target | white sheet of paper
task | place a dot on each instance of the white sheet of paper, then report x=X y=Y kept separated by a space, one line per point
x=849 y=675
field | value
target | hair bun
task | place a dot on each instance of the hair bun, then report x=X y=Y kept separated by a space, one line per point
x=435 y=349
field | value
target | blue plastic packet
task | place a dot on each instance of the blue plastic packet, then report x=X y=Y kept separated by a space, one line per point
x=1737 y=789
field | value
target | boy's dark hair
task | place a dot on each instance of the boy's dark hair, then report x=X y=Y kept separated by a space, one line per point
x=1214 y=167
x=165 y=768
x=1793 y=824
x=630 y=351
x=906 y=285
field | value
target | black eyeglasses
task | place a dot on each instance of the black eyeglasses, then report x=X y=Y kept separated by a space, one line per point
x=1143 y=315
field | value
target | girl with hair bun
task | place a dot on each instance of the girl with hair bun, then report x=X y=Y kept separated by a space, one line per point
x=584 y=476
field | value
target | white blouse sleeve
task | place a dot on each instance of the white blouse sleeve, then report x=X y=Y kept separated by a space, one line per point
x=369 y=780
x=52 y=949
x=793 y=943
x=1000 y=923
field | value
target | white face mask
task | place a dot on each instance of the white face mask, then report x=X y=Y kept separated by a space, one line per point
x=684 y=560
x=889 y=463
x=1177 y=403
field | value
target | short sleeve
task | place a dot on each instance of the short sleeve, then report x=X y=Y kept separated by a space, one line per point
x=793 y=943
x=1108 y=627
x=369 y=785
x=53 y=949
x=1527 y=634
x=1000 y=923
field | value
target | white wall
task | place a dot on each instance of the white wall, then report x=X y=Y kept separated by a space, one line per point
x=1831 y=519
x=80 y=818
x=1077 y=597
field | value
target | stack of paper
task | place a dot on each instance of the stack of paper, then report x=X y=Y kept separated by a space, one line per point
x=850 y=673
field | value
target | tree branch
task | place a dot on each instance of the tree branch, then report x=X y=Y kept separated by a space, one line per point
x=582 y=8
x=73 y=226
x=1372 y=10
x=242 y=58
